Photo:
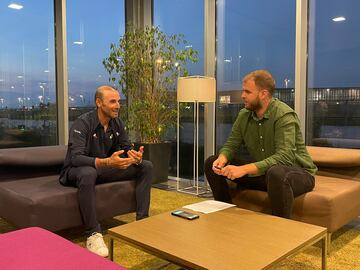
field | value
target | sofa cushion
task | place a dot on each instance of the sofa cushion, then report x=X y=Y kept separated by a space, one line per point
x=334 y=157
x=333 y=202
x=43 y=200
x=33 y=156
x=20 y=163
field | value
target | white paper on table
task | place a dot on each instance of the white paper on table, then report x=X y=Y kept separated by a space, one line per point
x=208 y=206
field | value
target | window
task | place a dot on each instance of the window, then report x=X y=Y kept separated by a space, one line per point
x=27 y=75
x=333 y=94
x=252 y=35
x=91 y=28
x=175 y=17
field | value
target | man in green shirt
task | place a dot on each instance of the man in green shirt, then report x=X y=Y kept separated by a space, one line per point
x=270 y=130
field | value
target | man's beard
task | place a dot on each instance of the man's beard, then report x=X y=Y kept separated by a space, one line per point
x=254 y=106
x=109 y=113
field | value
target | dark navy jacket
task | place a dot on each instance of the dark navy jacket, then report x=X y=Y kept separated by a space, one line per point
x=87 y=141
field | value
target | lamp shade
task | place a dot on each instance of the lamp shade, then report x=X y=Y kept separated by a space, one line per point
x=196 y=88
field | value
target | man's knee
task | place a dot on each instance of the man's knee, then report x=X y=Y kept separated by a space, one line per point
x=276 y=171
x=209 y=162
x=147 y=166
x=86 y=176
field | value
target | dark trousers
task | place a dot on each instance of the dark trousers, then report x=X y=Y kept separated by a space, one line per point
x=282 y=183
x=85 y=178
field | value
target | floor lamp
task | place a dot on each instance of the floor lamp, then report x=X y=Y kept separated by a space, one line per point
x=194 y=89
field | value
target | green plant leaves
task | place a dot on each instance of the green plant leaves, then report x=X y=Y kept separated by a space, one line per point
x=145 y=65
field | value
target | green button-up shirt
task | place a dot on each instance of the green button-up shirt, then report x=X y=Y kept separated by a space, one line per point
x=274 y=139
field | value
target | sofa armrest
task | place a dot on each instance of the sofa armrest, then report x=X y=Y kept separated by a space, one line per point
x=334 y=157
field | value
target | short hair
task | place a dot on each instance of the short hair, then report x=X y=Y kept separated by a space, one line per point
x=262 y=79
x=99 y=93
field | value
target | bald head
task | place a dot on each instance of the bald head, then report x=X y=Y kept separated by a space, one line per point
x=99 y=94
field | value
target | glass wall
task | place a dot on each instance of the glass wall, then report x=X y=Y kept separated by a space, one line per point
x=91 y=28
x=333 y=111
x=251 y=35
x=27 y=75
x=185 y=17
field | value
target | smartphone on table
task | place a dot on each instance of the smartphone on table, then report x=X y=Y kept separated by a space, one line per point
x=184 y=214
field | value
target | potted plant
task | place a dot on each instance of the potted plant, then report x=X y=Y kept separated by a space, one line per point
x=145 y=65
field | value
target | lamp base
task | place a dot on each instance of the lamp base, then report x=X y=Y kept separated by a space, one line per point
x=189 y=186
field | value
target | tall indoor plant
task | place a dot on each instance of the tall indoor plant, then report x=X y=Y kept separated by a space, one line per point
x=145 y=65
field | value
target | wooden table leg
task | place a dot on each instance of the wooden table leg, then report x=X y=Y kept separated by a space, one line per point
x=324 y=243
x=111 y=249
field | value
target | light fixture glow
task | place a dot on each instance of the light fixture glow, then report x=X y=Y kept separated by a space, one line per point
x=15 y=6
x=78 y=42
x=339 y=19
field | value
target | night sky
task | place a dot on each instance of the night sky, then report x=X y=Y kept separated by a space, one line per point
x=251 y=34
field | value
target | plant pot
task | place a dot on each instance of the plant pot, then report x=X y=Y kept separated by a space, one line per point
x=159 y=155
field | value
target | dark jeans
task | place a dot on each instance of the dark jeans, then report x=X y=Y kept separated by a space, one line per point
x=282 y=183
x=85 y=178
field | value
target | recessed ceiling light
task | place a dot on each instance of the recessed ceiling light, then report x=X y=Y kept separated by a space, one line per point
x=15 y=6
x=78 y=42
x=339 y=19
x=46 y=71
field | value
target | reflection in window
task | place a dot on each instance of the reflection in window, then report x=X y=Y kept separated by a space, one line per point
x=252 y=35
x=27 y=75
x=91 y=28
x=333 y=117
x=175 y=17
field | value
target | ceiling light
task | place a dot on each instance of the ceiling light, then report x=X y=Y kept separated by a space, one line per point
x=339 y=19
x=15 y=6
x=78 y=42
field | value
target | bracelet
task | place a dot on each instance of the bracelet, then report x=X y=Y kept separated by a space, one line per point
x=139 y=162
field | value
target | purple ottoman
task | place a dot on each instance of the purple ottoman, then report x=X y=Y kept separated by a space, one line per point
x=35 y=248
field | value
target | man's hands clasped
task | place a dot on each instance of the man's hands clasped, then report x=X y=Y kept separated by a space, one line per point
x=229 y=171
x=134 y=157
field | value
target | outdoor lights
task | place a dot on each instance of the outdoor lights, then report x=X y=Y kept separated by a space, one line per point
x=15 y=6
x=339 y=19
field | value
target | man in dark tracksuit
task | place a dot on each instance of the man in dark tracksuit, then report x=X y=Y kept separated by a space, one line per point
x=99 y=151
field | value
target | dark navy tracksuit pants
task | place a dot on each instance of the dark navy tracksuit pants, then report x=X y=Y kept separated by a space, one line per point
x=86 y=177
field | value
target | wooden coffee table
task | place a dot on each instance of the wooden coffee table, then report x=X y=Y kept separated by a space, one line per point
x=234 y=238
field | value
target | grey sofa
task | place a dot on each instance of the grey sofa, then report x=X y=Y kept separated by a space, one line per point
x=31 y=195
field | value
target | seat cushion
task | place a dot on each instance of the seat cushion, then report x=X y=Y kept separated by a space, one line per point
x=333 y=203
x=44 y=202
x=35 y=248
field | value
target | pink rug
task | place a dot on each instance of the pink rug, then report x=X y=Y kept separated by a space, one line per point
x=38 y=249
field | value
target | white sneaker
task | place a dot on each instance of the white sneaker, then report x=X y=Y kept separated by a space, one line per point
x=95 y=243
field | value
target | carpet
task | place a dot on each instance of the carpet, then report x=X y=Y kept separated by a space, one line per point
x=344 y=255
